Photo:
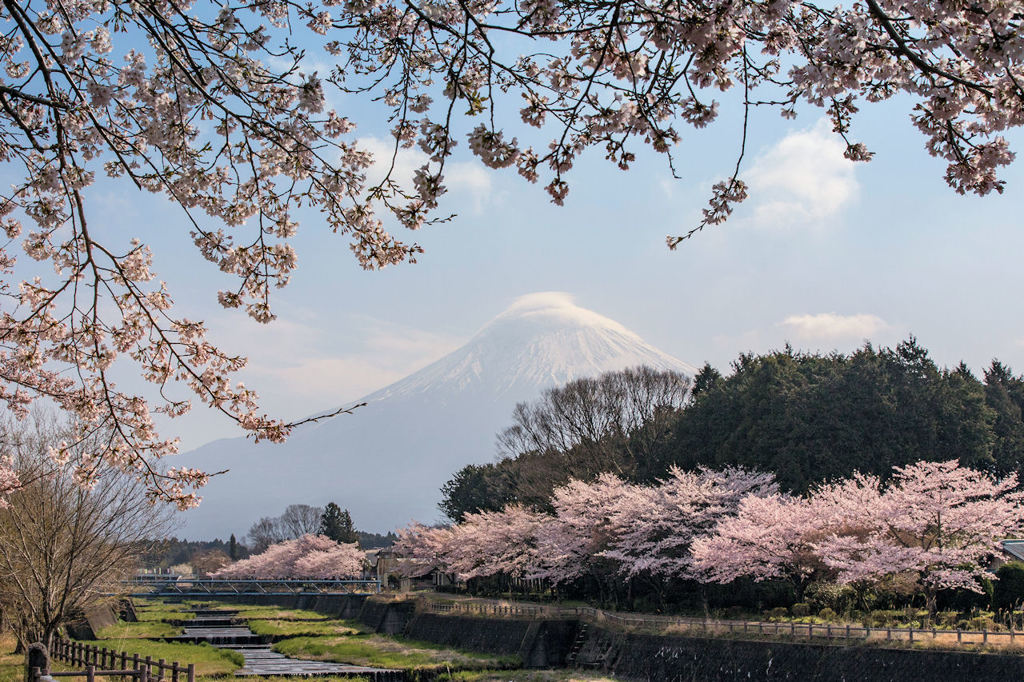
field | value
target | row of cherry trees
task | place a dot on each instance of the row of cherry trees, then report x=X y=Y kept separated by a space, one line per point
x=309 y=556
x=934 y=525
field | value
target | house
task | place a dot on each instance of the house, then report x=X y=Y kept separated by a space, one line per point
x=397 y=572
x=1011 y=550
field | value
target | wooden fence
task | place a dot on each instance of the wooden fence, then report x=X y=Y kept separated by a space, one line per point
x=710 y=626
x=104 y=662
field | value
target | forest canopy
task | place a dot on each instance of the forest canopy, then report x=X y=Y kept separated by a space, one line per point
x=805 y=417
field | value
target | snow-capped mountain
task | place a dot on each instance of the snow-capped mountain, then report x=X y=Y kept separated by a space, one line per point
x=388 y=460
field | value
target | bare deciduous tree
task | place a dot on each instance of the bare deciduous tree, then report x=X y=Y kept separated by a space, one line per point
x=64 y=547
x=296 y=521
x=301 y=519
x=588 y=412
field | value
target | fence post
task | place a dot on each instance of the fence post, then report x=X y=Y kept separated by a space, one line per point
x=191 y=672
x=847 y=631
x=174 y=671
x=792 y=628
x=888 y=633
x=911 y=634
x=984 y=635
x=135 y=661
x=37 y=659
x=958 y=635
x=828 y=630
x=160 y=669
x=124 y=660
x=90 y=673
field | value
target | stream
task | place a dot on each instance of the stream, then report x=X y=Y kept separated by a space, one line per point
x=223 y=629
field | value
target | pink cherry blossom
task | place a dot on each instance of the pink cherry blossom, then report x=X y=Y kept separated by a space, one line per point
x=310 y=556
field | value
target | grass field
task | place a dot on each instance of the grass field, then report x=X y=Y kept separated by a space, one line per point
x=150 y=610
x=390 y=652
x=263 y=612
x=209 y=661
x=149 y=629
x=290 y=628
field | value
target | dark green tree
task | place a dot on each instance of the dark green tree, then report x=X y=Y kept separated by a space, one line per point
x=233 y=548
x=1008 y=592
x=1004 y=395
x=337 y=524
x=811 y=417
x=707 y=378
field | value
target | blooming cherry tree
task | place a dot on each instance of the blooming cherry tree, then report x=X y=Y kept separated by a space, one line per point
x=658 y=524
x=492 y=543
x=426 y=546
x=769 y=537
x=936 y=520
x=585 y=524
x=310 y=556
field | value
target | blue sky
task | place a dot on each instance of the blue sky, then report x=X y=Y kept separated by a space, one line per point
x=824 y=254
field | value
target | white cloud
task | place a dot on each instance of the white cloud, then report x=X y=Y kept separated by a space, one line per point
x=803 y=180
x=466 y=177
x=834 y=326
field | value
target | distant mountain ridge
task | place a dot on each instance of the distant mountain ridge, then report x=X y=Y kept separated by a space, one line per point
x=386 y=462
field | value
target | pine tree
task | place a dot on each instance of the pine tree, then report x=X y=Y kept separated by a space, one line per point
x=337 y=524
x=233 y=548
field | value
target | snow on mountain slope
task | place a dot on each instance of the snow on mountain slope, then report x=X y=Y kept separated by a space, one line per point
x=386 y=462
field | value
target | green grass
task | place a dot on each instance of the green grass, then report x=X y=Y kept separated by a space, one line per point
x=12 y=665
x=209 y=661
x=153 y=629
x=390 y=652
x=290 y=628
x=150 y=610
x=271 y=612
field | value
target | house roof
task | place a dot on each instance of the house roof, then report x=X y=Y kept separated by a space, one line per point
x=1014 y=548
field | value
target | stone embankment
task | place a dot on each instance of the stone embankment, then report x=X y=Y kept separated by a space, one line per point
x=554 y=643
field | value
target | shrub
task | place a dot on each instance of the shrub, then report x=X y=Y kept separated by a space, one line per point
x=1008 y=591
x=778 y=613
x=824 y=595
x=801 y=609
x=981 y=623
x=828 y=614
x=884 y=619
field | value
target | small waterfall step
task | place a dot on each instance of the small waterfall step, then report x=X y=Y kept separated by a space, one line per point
x=262 y=662
x=223 y=630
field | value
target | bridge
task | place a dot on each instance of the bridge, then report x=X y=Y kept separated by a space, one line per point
x=175 y=586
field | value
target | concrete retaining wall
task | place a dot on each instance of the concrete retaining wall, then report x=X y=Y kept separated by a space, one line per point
x=539 y=644
x=671 y=659
x=653 y=658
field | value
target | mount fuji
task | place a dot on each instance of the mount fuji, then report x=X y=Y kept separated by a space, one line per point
x=386 y=462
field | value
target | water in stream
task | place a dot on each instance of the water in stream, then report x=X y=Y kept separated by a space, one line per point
x=224 y=630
